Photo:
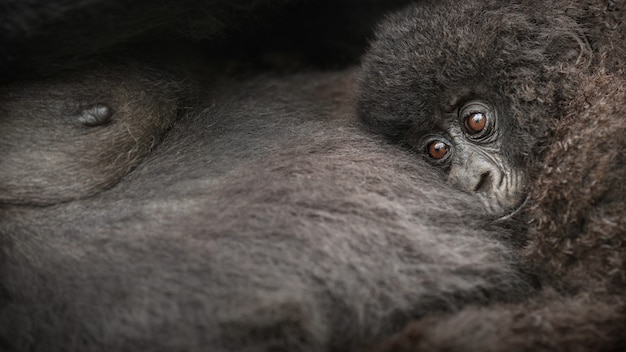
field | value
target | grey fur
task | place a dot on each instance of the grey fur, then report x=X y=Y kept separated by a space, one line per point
x=577 y=241
x=272 y=221
x=432 y=58
x=269 y=221
x=557 y=71
x=59 y=141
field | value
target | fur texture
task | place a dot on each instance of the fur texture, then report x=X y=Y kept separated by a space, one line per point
x=524 y=62
x=269 y=221
x=576 y=144
x=578 y=242
x=69 y=137
x=272 y=221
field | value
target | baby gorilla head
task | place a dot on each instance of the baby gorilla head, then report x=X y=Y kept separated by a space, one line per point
x=468 y=145
x=472 y=86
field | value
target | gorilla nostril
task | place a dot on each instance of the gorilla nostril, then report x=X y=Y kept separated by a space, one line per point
x=502 y=175
x=483 y=182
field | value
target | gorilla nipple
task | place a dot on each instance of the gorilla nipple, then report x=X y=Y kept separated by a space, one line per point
x=96 y=115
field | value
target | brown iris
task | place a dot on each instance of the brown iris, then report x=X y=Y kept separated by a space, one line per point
x=475 y=122
x=438 y=150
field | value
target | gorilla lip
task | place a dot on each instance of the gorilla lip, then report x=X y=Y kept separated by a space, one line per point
x=514 y=211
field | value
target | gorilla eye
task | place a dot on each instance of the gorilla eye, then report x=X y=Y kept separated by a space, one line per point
x=438 y=150
x=475 y=122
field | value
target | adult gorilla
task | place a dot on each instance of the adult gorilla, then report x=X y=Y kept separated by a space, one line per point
x=268 y=221
x=151 y=204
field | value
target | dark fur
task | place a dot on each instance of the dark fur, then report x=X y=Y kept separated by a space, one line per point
x=524 y=62
x=70 y=137
x=41 y=37
x=579 y=204
x=575 y=147
x=578 y=241
x=262 y=223
x=271 y=221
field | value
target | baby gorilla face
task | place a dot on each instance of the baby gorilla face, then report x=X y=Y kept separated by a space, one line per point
x=467 y=145
x=471 y=88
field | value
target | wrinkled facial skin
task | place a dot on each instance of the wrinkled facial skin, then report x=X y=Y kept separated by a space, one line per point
x=468 y=146
x=470 y=87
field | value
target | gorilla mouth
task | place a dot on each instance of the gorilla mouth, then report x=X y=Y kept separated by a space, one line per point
x=509 y=197
x=501 y=205
x=512 y=211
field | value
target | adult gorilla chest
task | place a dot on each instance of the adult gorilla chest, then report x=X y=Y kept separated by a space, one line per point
x=268 y=220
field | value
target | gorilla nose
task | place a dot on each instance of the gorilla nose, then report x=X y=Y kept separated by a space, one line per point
x=484 y=182
x=476 y=177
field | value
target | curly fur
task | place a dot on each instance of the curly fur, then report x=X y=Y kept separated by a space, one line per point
x=577 y=203
x=526 y=62
x=578 y=212
x=577 y=240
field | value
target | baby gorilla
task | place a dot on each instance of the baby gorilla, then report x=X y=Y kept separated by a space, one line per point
x=473 y=89
x=531 y=92
x=70 y=137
